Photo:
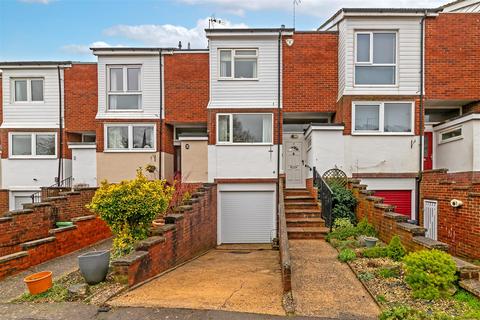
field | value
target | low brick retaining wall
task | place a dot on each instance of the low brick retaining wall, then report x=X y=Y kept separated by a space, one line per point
x=458 y=227
x=285 y=260
x=29 y=237
x=191 y=231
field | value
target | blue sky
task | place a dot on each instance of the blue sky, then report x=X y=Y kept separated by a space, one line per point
x=65 y=29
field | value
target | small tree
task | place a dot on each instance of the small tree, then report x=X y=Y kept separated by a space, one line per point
x=129 y=208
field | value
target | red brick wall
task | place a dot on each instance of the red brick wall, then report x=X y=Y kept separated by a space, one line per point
x=212 y=121
x=36 y=223
x=310 y=82
x=459 y=227
x=4 y=201
x=186 y=87
x=344 y=109
x=452 y=59
x=193 y=233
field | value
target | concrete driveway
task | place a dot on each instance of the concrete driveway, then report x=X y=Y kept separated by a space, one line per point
x=243 y=278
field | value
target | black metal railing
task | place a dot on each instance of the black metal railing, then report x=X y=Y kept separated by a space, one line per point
x=325 y=196
x=52 y=191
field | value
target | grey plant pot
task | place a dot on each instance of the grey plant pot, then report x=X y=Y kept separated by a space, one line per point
x=94 y=265
x=370 y=242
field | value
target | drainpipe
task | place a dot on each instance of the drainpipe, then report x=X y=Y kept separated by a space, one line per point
x=160 y=144
x=420 y=120
x=278 y=119
x=60 y=128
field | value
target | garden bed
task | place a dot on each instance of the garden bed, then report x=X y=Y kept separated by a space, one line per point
x=93 y=294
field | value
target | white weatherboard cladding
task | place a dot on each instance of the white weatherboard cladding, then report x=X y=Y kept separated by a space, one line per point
x=261 y=93
x=342 y=38
x=246 y=213
x=31 y=114
x=31 y=174
x=408 y=55
x=150 y=84
x=242 y=162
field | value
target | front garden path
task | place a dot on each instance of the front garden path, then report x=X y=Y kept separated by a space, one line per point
x=13 y=286
x=322 y=286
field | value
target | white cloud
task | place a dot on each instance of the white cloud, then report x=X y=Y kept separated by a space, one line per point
x=167 y=35
x=37 y=1
x=85 y=49
x=319 y=8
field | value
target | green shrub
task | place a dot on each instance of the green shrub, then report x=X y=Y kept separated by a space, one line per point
x=396 y=251
x=366 y=276
x=347 y=255
x=342 y=223
x=430 y=273
x=343 y=203
x=376 y=252
x=129 y=208
x=388 y=272
x=401 y=313
x=381 y=298
x=366 y=229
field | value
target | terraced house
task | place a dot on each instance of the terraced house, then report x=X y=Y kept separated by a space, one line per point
x=382 y=94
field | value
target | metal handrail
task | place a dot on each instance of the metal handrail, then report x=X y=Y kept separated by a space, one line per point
x=325 y=196
x=50 y=191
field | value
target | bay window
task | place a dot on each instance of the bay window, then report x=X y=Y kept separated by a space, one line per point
x=382 y=117
x=28 y=90
x=130 y=137
x=238 y=63
x=376 y=58
x=32 y=145
x=124 y=88
x=244 y=128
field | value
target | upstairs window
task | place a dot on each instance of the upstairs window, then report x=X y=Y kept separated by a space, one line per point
x=395 y=118
x=376 y=58
x=124 y=88
x=32 y=145
x=130 y=137
x=28 y=90
x=238 y=63
x=244 y=128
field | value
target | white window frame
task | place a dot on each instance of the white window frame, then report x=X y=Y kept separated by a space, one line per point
x=230 y=142
x=232 y=51
x=381 y=119
x=125 y=91
x=441 y=133
x=130 y=137
x=33 y=145
x=370 y=60
x=29 y=90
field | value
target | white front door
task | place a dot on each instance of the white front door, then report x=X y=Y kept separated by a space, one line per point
x=84 y=166
x=430 y=218
x=294 y=164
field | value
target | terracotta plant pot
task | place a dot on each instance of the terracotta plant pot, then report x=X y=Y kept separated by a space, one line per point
x=39 y=282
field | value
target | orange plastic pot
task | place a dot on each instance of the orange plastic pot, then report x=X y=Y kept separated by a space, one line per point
x=39 y=282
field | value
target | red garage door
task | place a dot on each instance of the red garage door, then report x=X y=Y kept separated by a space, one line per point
x=400 y=198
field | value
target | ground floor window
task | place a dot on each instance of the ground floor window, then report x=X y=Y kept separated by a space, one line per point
x=382 y=117
x=32 y=145
x=130 y=137
x=245 y=128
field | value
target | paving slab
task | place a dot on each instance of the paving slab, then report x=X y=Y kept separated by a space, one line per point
x=243 y=279
x=13 y=286
x=322 y=286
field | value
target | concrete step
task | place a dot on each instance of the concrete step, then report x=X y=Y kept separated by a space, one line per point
x=307 y=232
x=305 y=222
x=296 y=192
x=302 y=204
x=299 y=198
x=472 y=286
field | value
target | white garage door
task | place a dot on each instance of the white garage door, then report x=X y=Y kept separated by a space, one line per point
x=247 y=216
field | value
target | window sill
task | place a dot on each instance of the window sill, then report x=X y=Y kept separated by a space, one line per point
x=124 y=110
x=238 y=79
x=244 y=144
x=32 y=158
x=130 y=151
x=376 y=86
x=356 y=133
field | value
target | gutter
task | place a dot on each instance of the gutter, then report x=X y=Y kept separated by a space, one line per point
x=60 y=128
x=420 y=120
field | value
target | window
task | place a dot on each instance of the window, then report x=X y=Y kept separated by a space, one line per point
x=238 y=63
x=189 y=130
x=375 y=59
x=451 y=135
x=28 y=145
x=382 y=117
x=28 y=90
x=436 y=115
x=244 y=128
x=124 y=88
x=130 y=137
